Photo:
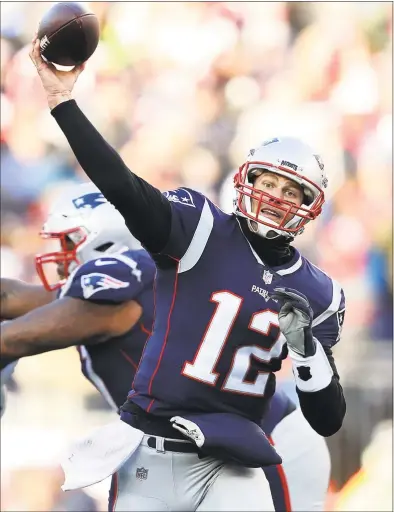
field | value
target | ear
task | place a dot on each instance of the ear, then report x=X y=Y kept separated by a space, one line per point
x=307 y=198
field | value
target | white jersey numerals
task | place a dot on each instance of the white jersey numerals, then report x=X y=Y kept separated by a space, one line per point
x=212 y=344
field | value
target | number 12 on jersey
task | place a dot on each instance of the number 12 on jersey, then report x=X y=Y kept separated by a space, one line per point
x=202 y=368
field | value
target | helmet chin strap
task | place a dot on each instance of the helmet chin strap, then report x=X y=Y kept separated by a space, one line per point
x=254 y=228
x=266 y=231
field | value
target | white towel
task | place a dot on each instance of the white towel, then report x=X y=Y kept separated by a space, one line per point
x=99 y=455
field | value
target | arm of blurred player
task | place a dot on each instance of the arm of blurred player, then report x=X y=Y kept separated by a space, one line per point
x=18 y=298
x=64 y=323
x=146 y=211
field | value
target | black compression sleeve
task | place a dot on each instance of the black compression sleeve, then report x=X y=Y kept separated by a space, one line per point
x=146 y=211
x=325 y=409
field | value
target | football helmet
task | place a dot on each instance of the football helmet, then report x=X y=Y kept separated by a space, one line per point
x=86 y=226
x=293 y=159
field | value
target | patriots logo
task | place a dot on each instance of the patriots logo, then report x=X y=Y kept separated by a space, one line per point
x=180 y=195
x=95 y=282
x=270 y=141
x=89 y=201
x=340 y=319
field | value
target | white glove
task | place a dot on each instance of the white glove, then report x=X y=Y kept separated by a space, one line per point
x=295 y=320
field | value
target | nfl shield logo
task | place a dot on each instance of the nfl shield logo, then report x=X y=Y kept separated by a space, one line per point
x=267 y=277
x=141 y=473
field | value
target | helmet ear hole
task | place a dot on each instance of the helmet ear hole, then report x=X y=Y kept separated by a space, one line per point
x=104 y=247
x=308 y=198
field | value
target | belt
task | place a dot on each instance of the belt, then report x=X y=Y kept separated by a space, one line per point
x=159 y=427
x=174 y=446
x=148 y=423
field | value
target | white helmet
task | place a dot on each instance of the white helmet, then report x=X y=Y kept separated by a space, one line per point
x=81 y=215
x=293 y=159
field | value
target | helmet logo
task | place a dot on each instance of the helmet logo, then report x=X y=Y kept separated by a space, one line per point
x=319 y=161
x=285 y=163
x=89 y=201
x=324 y=180
x=270 y=141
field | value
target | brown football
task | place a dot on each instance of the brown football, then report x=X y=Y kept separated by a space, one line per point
x=68 y=33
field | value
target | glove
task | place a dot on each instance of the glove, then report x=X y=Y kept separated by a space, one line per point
x=295 y=320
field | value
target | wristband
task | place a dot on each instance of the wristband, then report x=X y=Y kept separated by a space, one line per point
x=311 y=373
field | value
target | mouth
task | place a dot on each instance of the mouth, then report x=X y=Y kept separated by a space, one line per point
x=273 y=214
x=61 y=271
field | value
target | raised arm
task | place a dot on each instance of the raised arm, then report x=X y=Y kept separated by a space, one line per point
x=18 y=298
x=146 y=211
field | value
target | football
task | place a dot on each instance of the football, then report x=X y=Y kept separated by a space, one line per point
x=69 y=34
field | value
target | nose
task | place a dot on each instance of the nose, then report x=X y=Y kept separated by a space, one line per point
x=276 y=193
x=60 y=269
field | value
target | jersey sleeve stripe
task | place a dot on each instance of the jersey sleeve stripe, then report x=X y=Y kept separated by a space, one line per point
x=199 y=240
x=291 y=269
x=333 y=307
x=130 y=262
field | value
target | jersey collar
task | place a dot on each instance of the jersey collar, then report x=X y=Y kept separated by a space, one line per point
x=288 y=268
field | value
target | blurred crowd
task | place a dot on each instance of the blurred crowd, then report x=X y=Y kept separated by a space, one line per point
x=184 y=90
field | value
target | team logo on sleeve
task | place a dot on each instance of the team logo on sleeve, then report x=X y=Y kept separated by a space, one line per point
x=340 y=319
x=180 y=195
x=89 y=201
x=95 y=282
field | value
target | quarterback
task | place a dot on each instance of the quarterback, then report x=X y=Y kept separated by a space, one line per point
x=233 y=299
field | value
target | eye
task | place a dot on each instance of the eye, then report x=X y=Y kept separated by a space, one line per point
x=267 y=184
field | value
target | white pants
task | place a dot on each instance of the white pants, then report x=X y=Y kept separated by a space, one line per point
x=152 y=480
x=300 y=484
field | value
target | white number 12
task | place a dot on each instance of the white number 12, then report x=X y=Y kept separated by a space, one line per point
x=214 y=340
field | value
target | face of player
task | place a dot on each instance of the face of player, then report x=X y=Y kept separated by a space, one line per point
x=60 y=265
x=280 y=187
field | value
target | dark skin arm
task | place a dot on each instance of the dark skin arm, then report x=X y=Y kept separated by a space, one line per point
x=64 y=323
x=18 y=298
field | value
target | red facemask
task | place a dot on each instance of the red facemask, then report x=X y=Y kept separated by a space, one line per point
x=65 y=257
x=265 y=199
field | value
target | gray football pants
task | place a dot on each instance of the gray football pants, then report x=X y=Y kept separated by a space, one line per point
x=153 y=480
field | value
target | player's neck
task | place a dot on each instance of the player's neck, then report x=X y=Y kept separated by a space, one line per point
x=275 y=251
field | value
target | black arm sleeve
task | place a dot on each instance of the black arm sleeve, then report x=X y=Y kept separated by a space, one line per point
x=325 y=409
x=146 y=211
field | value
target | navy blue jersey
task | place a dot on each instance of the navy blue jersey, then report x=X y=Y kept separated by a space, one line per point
x=280 y=406
x=114 y=279
x=216 y=339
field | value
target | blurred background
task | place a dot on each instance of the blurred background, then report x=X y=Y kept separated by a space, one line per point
x=183 y=91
